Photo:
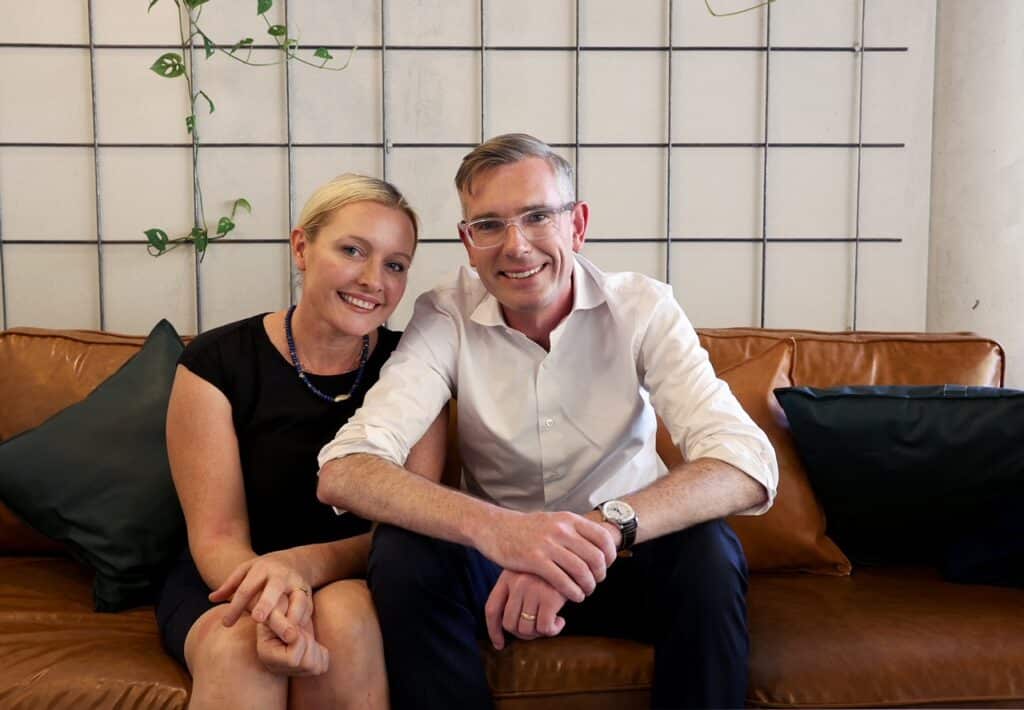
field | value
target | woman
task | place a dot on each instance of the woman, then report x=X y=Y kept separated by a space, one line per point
x=252 y=404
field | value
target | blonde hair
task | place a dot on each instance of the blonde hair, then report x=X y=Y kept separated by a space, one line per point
x=511 y=148
x=348 y=189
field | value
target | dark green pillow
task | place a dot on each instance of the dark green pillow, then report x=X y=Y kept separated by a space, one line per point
x=904 y=473
x=95 y=476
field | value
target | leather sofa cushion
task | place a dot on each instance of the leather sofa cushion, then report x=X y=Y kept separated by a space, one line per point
x=58 y=653
x=876 y=638
x=898 y=637
x=880 y=638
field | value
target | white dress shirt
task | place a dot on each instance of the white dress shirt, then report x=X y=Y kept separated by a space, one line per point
x=566 y=429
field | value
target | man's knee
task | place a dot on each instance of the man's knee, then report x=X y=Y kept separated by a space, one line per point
x=707 y=563
x=407 y=563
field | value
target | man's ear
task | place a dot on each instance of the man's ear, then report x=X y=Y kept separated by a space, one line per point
x=469 y=249
x=580 y=222
x=299 y=244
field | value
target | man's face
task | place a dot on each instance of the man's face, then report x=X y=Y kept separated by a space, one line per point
x=529 y=279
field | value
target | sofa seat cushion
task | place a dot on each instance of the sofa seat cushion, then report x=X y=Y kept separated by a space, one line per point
x=892 y=637
x=571 y=672
x=58 y=653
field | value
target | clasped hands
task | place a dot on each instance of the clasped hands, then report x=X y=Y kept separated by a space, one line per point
x=280 y=601
x=548 y=559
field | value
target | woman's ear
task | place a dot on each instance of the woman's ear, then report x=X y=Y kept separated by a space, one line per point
x=300 y=244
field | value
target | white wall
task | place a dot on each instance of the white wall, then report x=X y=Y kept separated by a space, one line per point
x=977 y=250
x=637 y=184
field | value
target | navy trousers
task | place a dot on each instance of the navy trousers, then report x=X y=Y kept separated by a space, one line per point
x=685 y=593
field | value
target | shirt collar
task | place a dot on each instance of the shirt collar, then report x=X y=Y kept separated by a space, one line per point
x=588 y=292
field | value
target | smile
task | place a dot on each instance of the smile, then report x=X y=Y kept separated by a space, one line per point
x=523 y=274
x=358 y=302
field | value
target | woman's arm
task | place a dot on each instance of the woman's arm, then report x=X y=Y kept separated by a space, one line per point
x=207 y=472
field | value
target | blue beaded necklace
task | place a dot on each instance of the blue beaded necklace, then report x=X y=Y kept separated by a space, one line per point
x=363 y=357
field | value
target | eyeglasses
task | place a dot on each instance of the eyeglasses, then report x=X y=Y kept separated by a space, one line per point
x=535 y=225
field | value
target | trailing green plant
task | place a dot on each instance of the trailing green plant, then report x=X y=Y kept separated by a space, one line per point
x=174 y=65
x=707 y=4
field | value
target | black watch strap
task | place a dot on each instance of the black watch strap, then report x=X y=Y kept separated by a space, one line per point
x=628 y=530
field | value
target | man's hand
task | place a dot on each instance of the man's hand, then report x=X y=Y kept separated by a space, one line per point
x=568 y=551
x=524 y=605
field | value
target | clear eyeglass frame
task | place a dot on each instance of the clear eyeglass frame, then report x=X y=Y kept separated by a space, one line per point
x=532 y=231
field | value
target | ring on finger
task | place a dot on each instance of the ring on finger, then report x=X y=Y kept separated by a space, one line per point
x=527 y=617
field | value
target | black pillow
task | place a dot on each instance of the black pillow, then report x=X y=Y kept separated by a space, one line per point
x=95 y=476
x=904 y=473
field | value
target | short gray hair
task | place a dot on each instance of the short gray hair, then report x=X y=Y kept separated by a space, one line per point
x=511 y=148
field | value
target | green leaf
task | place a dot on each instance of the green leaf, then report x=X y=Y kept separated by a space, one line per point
x=195 y=3
x=151 y=4
x=169 y=65
x=200 y=238
x=224 y=226
x=263 y=5
x=190 y=123
x=208 y=100
x=277 y=30
x=241 y=203
x=208 y=46
x=322 y=53
x=157 y=238
x=246 y=42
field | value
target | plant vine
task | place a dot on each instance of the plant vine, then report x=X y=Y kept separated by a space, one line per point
x=707 y=4
x=172 y=65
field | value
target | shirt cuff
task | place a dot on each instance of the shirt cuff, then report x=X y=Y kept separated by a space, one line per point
x=757 y=467
x=358 y=439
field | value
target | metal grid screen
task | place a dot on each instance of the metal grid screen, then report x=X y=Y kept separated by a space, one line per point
x=671 y=152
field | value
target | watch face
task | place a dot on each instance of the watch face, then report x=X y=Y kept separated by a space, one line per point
x=618 y=511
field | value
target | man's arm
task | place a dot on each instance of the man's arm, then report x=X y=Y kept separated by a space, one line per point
x=729 y=464
x=691 y=493
x=569 y=551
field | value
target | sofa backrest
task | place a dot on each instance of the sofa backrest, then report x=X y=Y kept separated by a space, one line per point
x=825 y=359
x=43 y=371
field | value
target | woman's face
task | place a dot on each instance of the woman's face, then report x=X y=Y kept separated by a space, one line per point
x=356 y=267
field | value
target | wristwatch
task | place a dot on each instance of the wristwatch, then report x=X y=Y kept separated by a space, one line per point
x=621 y=514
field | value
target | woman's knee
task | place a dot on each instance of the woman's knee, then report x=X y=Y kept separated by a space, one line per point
x=344 y=619
x=211 y=645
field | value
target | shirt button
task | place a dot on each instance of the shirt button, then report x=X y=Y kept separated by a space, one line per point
x=547 y=423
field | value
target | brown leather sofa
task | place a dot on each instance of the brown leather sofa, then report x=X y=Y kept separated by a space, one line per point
x=878 y=637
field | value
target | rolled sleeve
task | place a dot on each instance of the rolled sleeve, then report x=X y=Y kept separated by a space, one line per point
x=701 y=413
x=414 y=385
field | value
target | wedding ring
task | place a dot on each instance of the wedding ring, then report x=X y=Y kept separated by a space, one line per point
x=528 y=617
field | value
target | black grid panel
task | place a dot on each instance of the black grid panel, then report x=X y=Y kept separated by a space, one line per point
x=669 y=150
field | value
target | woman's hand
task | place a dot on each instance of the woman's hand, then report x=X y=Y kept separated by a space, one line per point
x=260 y=585
x=288 y=646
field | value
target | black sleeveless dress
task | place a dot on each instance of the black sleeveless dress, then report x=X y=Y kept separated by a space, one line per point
x=281 y=427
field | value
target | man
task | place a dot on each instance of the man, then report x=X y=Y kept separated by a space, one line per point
x=559 y=369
